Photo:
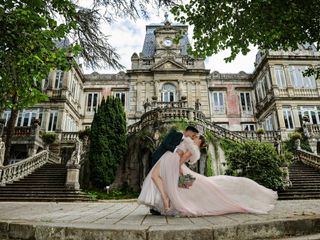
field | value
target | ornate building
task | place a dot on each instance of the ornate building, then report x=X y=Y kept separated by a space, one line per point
x=275 y=96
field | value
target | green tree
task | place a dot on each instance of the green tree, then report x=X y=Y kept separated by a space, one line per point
x=108 y=142
x=271 y=24
x=29 y=33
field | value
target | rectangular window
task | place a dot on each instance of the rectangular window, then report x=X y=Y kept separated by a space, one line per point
x=6 y=116
x=298 y=80
x=53 y=118
x=311 y=112
x=217 y=102
x=279 y=73
x=245 y=101
x=287 y=116
x=248 y=127
x=92 y=102
x=26 y=117
x=59 y=79
x=268 y=123
x=121 y=96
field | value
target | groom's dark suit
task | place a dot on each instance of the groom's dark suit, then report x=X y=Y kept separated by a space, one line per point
x=171 y=141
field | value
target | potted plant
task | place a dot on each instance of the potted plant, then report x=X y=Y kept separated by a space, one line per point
x=260 y=132
x=49 y=138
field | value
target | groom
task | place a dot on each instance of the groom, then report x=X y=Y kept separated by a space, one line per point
x=171 y=141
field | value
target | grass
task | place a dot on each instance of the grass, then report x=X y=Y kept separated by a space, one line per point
x=115 y=194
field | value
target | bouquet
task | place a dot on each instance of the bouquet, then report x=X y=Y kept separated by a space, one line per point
x=186 y=181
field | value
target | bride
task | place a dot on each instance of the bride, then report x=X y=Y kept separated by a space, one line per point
x=208 y=195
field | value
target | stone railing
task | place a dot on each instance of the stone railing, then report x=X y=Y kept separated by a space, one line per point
x=221 y=131
x=170 y=114
x=268 y=136
x=14 y=172
x=22 y=131
x=165 y=115
x=301 y=92
x=180 y=104
x=69 y=136
x=309 y=158
x=312 y=130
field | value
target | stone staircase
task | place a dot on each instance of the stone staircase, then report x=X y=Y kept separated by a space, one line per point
x=305 y=183
x=46 y=183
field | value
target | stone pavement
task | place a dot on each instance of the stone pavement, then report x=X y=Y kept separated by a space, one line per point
x=128 y=220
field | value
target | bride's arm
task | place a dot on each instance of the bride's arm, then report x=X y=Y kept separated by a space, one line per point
x=185 y=157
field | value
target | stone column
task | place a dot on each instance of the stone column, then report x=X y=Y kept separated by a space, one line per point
x=156 y=89
x=282 y=125
x=138 y=99
x=288 y=80
x=60 y=120
x=295 y=114
x=46 y=116
x=274 y=84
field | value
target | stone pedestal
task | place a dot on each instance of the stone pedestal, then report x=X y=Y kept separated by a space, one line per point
x=72 y=181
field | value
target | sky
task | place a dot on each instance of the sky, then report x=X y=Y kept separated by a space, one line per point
x=127 y=36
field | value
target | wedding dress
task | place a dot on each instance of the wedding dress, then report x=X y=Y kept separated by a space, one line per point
x=208 y=195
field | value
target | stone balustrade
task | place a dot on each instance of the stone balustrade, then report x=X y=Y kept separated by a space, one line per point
x=14 y=172
x=179 y=104
x=69 y=136
x=163 y=115
x=169 y=114
x=221 y=131
x=22 y=131
x=309 y=158
x=313 y=130
x=268 y=136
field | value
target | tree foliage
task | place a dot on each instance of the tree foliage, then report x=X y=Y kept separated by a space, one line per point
x=108 y=144
x=270 y=24
x=255 y=160
x=30 y=37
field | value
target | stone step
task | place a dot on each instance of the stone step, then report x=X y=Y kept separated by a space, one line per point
x=41 y=194
x=298 y=197
x=23 y=184
x=45 y=199
x=53 y=189
x=300 y=193
x=305 y=237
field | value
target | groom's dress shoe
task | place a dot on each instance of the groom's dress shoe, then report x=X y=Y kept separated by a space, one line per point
x=154 y=212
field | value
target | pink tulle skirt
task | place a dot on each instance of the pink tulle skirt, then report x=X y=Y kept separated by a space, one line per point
x=208 y=195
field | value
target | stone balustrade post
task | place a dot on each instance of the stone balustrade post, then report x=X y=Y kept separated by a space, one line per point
x=191 y=115
x=73 y=173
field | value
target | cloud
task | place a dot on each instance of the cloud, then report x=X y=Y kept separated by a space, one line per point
x=127 y=36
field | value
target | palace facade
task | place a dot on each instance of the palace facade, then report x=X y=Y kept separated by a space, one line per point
x=274 y=97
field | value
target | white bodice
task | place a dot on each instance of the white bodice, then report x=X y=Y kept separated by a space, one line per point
x=188 y=144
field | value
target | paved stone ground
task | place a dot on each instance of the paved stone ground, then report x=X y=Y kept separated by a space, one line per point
x=129 y=215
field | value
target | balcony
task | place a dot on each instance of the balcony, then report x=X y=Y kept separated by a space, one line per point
x=297 y=92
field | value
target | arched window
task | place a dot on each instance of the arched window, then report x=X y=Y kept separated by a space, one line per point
x=168 y=93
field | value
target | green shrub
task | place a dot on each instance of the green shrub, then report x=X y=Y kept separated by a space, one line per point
x=255 y=160
x=49 y=138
